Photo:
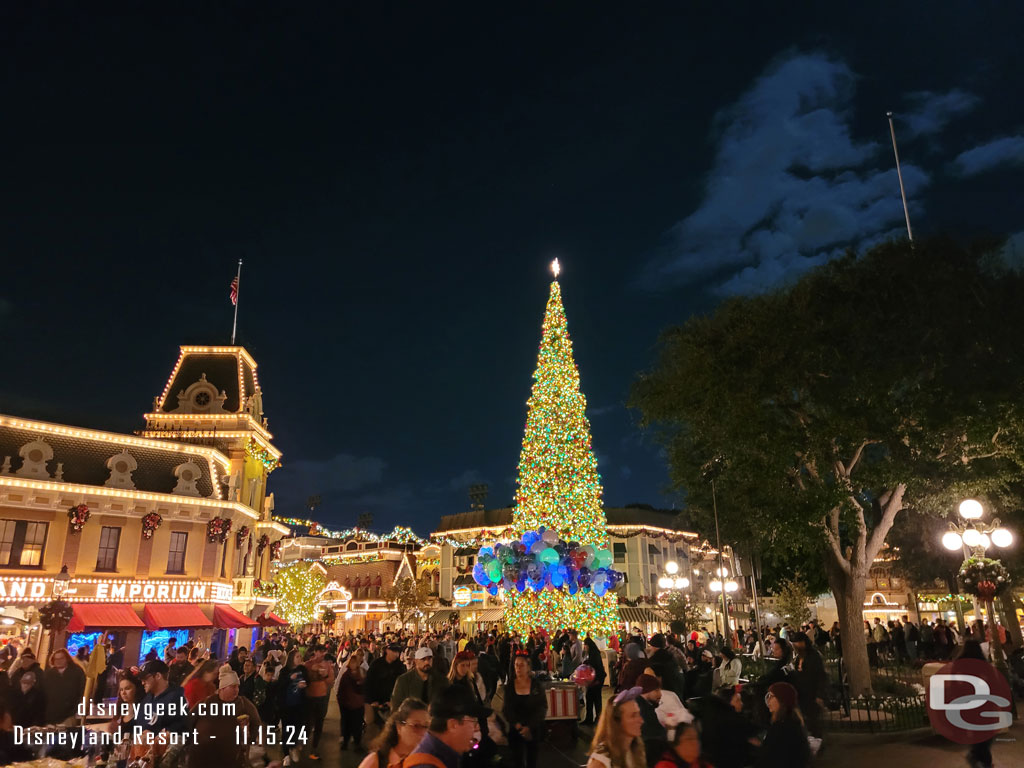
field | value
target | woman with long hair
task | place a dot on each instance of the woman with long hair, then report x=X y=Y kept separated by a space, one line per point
x=351 y=702
x=64 y=684
x=684 y=750
x=617 y=742
x=525 y=708
x=729 y=669
x=594 y=659
x=200 y=684
x=785 y=743
x=129 y=691
x=401 y=733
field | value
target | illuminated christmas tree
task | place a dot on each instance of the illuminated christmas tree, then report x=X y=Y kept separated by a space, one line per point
x=298 y=590
x=559 y=485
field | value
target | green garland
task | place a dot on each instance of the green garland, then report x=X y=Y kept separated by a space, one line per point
x=984 y=577
x=56 y=615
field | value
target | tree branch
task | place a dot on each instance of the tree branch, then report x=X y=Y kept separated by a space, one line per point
x=858 y=454
x=889 y=511
x=832 y=537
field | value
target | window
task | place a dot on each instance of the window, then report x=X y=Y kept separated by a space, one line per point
x=619 y=552
x=110 y=538
x=22 y=543
x=176 y=552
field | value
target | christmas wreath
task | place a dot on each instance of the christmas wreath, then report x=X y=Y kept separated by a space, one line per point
x=241 y=536
x=262 y=544
x=329 y=616
x=79 y=516
x=984 y=577
x=150 y=523
x=217 y=529
x=55 y=615
x=275 y=550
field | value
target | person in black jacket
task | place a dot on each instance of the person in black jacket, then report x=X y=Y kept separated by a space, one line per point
x=727 y=735
x=380 y=683
x=28 y=701
x=665 y=666
x=811 y=682
x=653 y=733
x=525 y=708
x=785 y=744
x=594 y=659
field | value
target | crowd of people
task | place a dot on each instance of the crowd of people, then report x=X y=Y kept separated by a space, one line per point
x=466 y=700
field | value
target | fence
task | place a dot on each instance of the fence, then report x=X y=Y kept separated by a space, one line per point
x=896 y=704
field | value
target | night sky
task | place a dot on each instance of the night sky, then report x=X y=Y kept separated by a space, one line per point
x=397 y=178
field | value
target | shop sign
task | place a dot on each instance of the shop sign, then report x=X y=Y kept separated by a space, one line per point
x=463 y=596
x=118 y=591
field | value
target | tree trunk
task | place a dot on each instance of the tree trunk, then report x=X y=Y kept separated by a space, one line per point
x=848 y=590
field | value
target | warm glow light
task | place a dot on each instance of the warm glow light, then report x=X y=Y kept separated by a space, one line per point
x=972 y=537
x=720 y=572
x=671 y=567
x=986 y=542
x=665 y=582
x=951 y=540
x=715 y=586
x=971 y=509
x=731 y=586
x=682 y=582
x=7 y=621
x=1001 y=537
x=555 y=267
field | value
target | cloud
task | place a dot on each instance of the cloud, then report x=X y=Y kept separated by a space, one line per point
x=789 y=187
x=931 y=112
x=601 y=411
x=341 y=473
x=1005 y=150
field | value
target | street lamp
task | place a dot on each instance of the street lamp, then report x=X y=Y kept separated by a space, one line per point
x=60 y=583
x=977 y=537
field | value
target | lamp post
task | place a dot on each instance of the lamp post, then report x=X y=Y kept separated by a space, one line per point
x=671 y=581
x=725 y=586
x=978 y=537
x=61 y=582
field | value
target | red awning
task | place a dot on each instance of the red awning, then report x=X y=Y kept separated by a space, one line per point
x=226 y=617
x=269 y=619
x=103 y=616
x=175 y=617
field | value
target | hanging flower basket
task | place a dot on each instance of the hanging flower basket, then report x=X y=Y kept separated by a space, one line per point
x=241 y=536
x=262 y=544
x=150 y=523
x=55 y=615
x=217 y=530
x=79 y=516
x=984 y=577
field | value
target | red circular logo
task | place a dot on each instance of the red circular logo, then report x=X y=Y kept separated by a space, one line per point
x=969 y=701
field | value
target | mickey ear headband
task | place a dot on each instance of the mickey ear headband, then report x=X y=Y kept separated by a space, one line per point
x=627 y=695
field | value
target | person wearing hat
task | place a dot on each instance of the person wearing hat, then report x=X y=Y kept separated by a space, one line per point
x=653 y=733
x=380 y=683
x=454 y=721
x=424 y=681
x=665 y=665
x=216 y=740
x=163 y=708
x=785 y=743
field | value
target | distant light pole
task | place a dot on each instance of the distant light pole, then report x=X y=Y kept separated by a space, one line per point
x=977 y=537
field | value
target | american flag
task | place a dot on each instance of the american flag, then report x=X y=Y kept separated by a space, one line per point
x=234 y=290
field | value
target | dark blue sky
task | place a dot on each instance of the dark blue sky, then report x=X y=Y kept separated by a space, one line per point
x=398 y=178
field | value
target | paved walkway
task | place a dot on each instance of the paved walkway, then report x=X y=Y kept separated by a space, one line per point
x=923 y=751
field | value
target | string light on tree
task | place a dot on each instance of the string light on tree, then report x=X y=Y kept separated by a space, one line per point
x=559 y=487
x=298 y=592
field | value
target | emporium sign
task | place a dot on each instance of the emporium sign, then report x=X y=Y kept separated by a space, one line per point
x=118 y=591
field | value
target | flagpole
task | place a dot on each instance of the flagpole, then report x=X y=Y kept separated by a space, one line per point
x=899 y=174
x=238 y=290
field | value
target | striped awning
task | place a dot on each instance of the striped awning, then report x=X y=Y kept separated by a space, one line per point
x=488 y=616
x=638 y=615
x=442 y=617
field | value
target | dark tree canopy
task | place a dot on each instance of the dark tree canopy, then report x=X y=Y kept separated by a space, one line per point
x=875 y=383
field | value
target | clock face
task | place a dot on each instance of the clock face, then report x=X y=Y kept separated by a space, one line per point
x=202 y=399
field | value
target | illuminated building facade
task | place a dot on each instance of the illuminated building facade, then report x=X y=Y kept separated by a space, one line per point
x=163 y=533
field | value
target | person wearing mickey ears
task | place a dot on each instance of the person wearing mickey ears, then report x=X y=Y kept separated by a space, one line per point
x=454 y=725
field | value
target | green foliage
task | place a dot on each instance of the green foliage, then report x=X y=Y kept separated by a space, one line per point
x=298 y=588
x=689 y=613
x=873 y=384
x=794 y=600
x=329 y=616
x=408 y=596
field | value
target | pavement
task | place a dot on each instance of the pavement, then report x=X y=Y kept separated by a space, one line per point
x=920 y=749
